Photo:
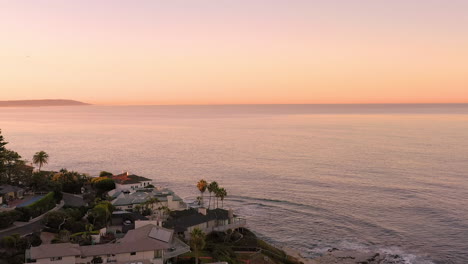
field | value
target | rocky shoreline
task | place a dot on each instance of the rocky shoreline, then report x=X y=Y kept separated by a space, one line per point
x=337 y=256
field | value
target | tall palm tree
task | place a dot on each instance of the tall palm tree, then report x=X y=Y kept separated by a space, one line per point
x=217 y=193
x=197 y=242
x=211 y=188
x=41 y=158
x=222 y=195
x=202 y=185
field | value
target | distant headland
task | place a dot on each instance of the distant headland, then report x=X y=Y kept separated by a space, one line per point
x=37 y=103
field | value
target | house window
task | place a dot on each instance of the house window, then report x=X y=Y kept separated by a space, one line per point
x=133 y=253
x=157 y=254
x=55 y=258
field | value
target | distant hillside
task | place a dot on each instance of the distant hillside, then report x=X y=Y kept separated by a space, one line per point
x=35 y=103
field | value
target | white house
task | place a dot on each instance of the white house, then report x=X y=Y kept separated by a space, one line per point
x=149 y=244
x=127 y=181
x=165 y=198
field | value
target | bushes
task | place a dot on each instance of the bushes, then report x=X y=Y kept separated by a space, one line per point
x=105 y=174
x=7 y=218
x=103 y=184
x=58 y=195
x=38 y=207
x=55 y=219
x=14 y=247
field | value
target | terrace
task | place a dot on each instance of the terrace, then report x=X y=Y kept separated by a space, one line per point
x=235 y=223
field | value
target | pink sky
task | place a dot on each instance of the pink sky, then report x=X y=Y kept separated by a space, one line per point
x=220 y=51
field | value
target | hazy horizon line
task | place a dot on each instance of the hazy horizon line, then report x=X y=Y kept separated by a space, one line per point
x=228 y=104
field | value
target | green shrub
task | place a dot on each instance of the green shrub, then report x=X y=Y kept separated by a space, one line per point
x=7 y=218
x=38 y=207
x=104 y=185
x=58 y=195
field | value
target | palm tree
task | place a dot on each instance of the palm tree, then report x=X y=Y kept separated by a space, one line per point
x=217 y=193
x=41 y=158
x=222 y=195
x=211 y=188
x=150 y=204
x=197 y=241
x=201 y=185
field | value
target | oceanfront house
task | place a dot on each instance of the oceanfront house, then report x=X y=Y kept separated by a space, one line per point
x=127 y=181
x=125 y=220
x=125 y=200
x=9 y=192
x=208 y=220
x=148 y=244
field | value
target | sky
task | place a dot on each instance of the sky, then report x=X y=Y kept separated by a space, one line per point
x=235 y=51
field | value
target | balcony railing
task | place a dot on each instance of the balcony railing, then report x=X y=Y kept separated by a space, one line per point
x=236 y=223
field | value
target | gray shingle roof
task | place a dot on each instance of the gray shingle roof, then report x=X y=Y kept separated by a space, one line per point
x=5 y=188
x=181 y=220
x=136 y=240
x=55 y=250
x=141 y=195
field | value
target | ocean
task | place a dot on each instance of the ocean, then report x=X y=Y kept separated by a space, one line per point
x=387 y=178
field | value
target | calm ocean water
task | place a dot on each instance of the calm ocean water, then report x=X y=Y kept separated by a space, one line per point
x=392 y=178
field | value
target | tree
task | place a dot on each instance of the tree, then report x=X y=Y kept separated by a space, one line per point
x=64 y=235
x=10 y=160
x=56 y=219
x=202 y=185
x=2 y=142
x=71 y=181
x=197 y=242
x=103 y=185
x=41 y=158
x=217 y=193
x=8 y=242
x=222 y=195
x=101 y=213
x=211 y=188
x=105 y=174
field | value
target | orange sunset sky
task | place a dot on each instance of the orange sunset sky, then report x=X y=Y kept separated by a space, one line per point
x=235 y=52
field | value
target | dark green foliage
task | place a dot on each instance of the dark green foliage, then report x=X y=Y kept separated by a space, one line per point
x=12 y=169
x=75 y=213
x=41 y=181
x=74 y=226
x=7 y=218
x=55 y=219
x=149 y=186
x=105 y=174
x=70 y=181
x=2 y=142
x=38 y=207
x=41 y=158
x=224 y=253
x=56 y=241
x=58 y=195
x=14 y=247
x=104 y=185
x=100 y=214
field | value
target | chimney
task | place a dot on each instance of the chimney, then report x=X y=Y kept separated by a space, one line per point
x=202 y=210
x=230 y=213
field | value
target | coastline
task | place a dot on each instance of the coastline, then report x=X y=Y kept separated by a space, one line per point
x=296 y=254
x=337 y=256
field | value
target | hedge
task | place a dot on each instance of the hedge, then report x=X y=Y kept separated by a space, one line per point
x=7 y=218
x=38 y=207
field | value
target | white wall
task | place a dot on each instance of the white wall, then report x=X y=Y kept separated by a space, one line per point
x=140 y=223
x=64 y=260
